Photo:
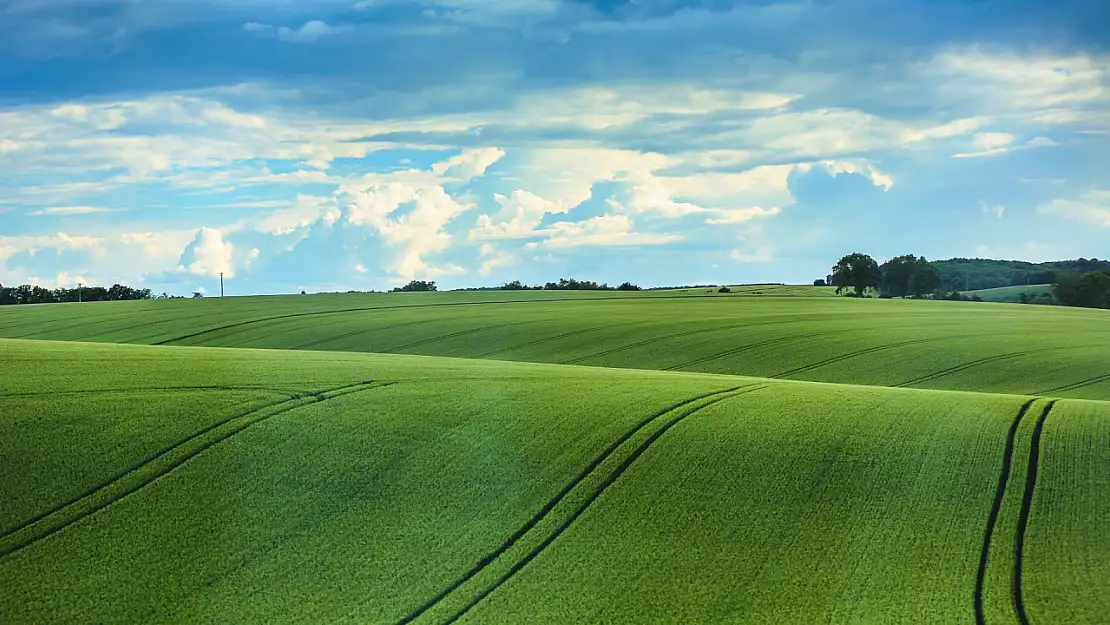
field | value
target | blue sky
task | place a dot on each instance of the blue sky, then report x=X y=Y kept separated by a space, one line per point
x=358 y=144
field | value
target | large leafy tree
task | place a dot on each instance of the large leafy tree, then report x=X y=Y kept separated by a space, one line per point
x=858 y=272
x=909 y=275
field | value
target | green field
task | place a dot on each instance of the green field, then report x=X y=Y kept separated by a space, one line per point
x=1009 y=294
x=922 y=344
x=784 y=469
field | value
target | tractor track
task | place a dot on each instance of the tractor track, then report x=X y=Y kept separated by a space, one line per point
x=963 y=367
x=649 y=341
x=292 y=394
x=737 y=350
x=78 y=512
x=311 y=344
x=539 y=341
x=539 y=516
x=996 y=508
x=849 y=355
x=1026 y=507
x=452 y=335
x=412 y=306
x=1075 y=385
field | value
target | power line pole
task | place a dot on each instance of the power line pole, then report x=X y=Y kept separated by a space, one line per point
x=221 y=284
x=79 y=285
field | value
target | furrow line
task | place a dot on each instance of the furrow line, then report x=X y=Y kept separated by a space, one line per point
x=963 y=367
x=156 y=466
x=654 y=339
x=736 y=350
x=1026 y=507
x=996 y=508
x=409 y=307
x=454 y=335
x=1076 y=385
x=536 y=518
x=609 y=481
x=592 y=470
x=842 y=357
x=348 y=335
x=292 y=394
x=539 y=341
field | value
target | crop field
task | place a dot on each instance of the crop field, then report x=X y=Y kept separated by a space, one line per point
x=920 y=344
x=554 y=457
x=1010 y=294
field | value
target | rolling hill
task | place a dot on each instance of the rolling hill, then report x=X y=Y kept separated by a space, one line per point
x=922 y=344
x=164 y=483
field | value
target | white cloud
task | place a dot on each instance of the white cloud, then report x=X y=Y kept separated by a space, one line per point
x=416 y=232
x=997 y=211
x=70 y=210
x=493 y=257
x=988 y=144
x=208 y=254
x=1092 y=206
x=306 y=211
x=469 y=164
x=762 y=254
x=1041 y=142
x=520 y=216
x=308 y=32
x=604 y=230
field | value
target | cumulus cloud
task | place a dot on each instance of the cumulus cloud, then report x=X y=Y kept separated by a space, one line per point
x=416 y=232
x=469 y=164
x=988 y=144
x=306 y=211
x=519 y=217
x=601 y=231
x=1092 y=206
x=208 y=255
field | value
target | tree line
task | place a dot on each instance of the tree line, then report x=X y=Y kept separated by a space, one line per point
x=29 y=294
x=564 y=284
x=915 y=277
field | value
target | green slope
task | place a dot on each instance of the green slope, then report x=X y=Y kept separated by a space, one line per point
x=1009 y=294
x=924 y=344
x=279 y=486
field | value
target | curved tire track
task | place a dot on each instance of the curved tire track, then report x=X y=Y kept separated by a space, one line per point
x=539 y=341
x=737 y=350
x=1075 y=385
x=1026 y=506
x=156 y=466
x=846 y=356
x=996 y=508
x=292 y=394
x=409 y=307
x=713 y=397
x=963 y=367
x=452 y=335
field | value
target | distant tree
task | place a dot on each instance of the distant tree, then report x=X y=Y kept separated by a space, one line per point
x=1091 y=290
x=416 y=286
x=724 y=289
x=820 y=282
x=1023 y=297
x=908 y=275
x=628 y=286
x=515 y=285
x=858 y=272
x=198 y=294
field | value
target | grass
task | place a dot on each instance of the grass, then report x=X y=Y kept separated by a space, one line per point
x=1009 y=294
x=922 y=344
x=169 y=484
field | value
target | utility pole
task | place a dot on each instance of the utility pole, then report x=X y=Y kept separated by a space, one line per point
x=221 y=284
x=79 y=285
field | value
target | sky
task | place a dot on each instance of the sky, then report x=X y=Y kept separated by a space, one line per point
x=334 y=145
